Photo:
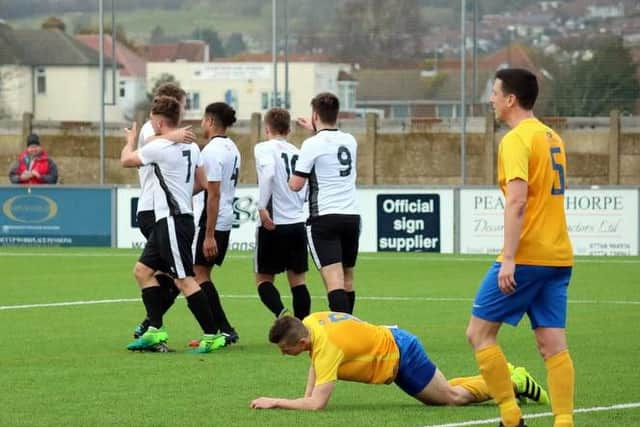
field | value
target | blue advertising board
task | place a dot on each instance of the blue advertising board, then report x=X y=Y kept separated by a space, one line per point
x=55 y=216
x=408 y=222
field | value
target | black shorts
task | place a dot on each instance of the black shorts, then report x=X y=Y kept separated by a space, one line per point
x=146 y=222
x=284 y=248
x=169 y=246
x=334 y=238
x=222 y=240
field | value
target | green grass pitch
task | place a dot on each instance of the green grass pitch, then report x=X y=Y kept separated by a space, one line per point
x=67 y=365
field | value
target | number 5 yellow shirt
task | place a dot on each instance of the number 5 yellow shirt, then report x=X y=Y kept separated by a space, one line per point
x=533 y=152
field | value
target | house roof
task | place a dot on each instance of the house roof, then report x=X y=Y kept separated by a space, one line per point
x=516 y=55
x=267 y=57
x=190 y=51
x=133 y=65
x=43 y=47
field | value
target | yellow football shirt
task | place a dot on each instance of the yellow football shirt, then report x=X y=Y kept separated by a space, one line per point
x=346 y=348
x=533 y=152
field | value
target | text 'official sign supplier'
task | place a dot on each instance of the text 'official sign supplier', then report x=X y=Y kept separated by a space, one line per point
x=408 y=222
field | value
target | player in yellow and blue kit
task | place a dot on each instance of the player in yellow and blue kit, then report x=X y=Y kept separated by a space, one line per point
x=342 y=347
x=533 y=271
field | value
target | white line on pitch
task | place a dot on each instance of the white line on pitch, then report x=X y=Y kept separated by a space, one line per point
x=541 y=415
x=386 y=257
x=253 y=296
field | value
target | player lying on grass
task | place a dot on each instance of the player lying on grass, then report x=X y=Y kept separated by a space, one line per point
x=343 y=347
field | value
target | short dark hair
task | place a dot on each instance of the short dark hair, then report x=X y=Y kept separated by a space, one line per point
x=221 y=113
x=287 y=329
x=167 y=107
x=172 y=90
x=278 y=120
x=521 y=83
x=327 y=106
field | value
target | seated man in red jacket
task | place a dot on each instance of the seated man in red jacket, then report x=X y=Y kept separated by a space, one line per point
x=33 y=165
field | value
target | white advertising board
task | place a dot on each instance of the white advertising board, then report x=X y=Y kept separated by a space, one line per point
x=242 y=235
x=602 y=221
x=406 y=219
x=393 y=219
x=127 y=233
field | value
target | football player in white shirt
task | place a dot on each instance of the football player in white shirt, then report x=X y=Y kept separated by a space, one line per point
x=328 y=161
x=176 y=168
x=221 y=160
x=144 y=213
x=281 y=239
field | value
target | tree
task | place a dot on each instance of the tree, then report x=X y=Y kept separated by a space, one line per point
x=235 y=44
x=159 y=81
x=157 y=35
x=145 y=106
x=380 y=31
x=600 y=81
x=211 y=37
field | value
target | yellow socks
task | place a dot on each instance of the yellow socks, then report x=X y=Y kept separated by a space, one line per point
x=561 y=379
x=494 y=370
x=474 y=385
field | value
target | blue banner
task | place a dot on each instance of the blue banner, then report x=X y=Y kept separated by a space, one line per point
x=55 y=216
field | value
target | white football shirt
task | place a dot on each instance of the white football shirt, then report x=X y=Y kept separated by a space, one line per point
x=174 y=166
x=221 y=160
x=275 y=161
x=145 y=173
x=328 y=159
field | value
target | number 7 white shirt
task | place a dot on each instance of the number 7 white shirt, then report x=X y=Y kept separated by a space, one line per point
x=174 y=166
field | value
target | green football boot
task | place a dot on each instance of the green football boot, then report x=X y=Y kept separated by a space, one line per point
x=150 y=340
x=210 y=343
x=527 y=388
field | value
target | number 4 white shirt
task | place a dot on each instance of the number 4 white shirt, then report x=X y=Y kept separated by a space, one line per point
x=221 y=160
x=328 y=159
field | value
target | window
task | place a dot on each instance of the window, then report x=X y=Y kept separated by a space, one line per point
x=122 y=89
x=399 y=111
x=347 y=94
x=41 y=81
x=267 y=100
x=193 y=101
x=446 y=111
x=231 y=98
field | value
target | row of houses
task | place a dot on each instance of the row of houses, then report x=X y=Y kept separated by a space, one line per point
x=56 y=77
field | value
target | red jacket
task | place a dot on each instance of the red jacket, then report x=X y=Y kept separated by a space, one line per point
x=41 y=163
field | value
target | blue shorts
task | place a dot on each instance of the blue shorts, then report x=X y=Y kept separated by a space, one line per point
x=416 y=369
x=541 y=292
